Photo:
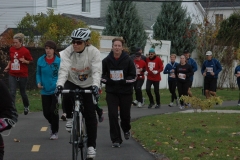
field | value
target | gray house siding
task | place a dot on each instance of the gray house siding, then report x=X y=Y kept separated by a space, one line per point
x=12 y=12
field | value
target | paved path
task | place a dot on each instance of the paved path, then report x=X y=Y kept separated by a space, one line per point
x=27 y=131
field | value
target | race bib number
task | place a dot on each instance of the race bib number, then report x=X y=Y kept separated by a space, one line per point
x=15 y=66
x=172 y=75
x=181 y=76
x=209 y=69
x=151 y=65
x=116 y=75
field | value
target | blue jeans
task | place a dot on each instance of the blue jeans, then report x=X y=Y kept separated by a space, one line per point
x=22 y=82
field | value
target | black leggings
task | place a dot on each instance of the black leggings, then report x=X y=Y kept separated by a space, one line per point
x=138 y=89
x=156 y=91
x=50 y=111
x=89 y=111
x=182 y=89
x=172 y=88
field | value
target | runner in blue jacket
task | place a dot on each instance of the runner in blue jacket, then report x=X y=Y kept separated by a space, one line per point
x=172 y=80
x=237 y=74
x=210 y=70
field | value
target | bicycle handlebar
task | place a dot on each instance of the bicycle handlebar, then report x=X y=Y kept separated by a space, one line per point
x=76 y=91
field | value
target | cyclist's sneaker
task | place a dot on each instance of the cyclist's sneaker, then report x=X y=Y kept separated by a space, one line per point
x=139 y=105
x=116 y=145
x=171 y=104
x=150 y=105
x=54 y=136
x=69 y=125
x=63 y=117
x=157 y=106
x=26 y=110
x=134 y=102
x=91 y=153
x=127 y=135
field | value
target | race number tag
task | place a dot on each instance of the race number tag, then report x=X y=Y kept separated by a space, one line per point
x=172 y=75
x=151 y=65
x=116 y=75
x=16 y=65
x=209 y=69
x=181 y=76
x=138 y=71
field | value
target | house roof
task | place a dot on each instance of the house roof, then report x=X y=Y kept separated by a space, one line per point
x=227 y=3
x=88 y=20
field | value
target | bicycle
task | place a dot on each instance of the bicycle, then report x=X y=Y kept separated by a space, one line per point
x=78 y=136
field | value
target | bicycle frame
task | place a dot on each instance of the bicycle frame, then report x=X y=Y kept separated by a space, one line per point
x=78 y=136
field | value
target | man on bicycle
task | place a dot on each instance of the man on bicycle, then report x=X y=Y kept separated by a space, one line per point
x=81 y=67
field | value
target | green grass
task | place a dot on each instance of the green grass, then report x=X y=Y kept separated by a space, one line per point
x=35 y=97
x=192 y=136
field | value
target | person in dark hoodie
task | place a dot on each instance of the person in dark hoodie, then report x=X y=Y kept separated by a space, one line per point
x=8 y=113
x=210 y=70
x=172 y=79
x=119 y=75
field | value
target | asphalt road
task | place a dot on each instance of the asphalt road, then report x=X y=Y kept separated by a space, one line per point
x=27 y=142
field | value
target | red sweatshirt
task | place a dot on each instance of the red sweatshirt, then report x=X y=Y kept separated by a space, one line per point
x=17 y=68
x=140 y=64
x=154 y=64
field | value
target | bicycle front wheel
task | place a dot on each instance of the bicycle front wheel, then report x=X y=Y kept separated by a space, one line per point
x=83 y=138
x=75 y=136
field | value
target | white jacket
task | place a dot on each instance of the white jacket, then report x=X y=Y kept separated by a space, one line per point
x=74 y=66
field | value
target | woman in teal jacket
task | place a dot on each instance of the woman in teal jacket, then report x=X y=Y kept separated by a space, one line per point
x=47 y=75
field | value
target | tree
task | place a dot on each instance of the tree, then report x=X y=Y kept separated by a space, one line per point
x=175 y=25
x=230 y=30
x=122 y=20
x=51 y=27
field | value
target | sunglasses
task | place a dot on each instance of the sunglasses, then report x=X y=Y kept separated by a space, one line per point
x=77 y=42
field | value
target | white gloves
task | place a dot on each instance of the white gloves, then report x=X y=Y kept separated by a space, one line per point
x=154 y=72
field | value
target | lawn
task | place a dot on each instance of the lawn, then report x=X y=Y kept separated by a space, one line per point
x=35 y=97
x=185 y=136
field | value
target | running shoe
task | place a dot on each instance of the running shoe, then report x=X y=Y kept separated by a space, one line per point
x=116 y=145
x=127 y=135
x=171 y=104
x=54 y=136
x=91 y=152
x=64 y=117
x=139 y=105
x=150 y=105
x=134 y=102
x=157 y=106
x=100 y=118
x=26 y=110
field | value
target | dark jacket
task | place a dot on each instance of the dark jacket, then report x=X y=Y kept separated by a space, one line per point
x=215 y=65
x=112 y=68
x=184 y=69
x=142 y=57
x=169 y=67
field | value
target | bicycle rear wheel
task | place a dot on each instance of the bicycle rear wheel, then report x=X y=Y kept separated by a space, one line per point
x=83 y=138
x=75 y=136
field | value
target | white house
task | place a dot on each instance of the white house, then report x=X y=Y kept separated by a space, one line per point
x=217 y=11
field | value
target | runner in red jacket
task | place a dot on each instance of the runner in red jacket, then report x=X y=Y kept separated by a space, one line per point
x=154 y=67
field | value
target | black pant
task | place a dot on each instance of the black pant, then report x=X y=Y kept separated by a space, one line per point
x=1 y=147
x=50 y=111
x=156 y=91
x=138 y=89
x=89 y=111
x=124 y=103
x=182 y=89
x=172 y=88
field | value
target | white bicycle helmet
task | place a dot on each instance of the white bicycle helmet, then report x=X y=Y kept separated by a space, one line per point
x=81 y=33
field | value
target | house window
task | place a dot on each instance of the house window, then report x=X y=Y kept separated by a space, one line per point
x=52 y=3
x=85 y=5
x=218 y=18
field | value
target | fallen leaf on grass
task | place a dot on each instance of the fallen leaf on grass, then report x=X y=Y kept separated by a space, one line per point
x=186 y=158
x=16 y=140
x=204 y=125
x=165 y=143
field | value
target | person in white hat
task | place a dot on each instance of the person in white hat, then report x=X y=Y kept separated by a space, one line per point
x=210 y=70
